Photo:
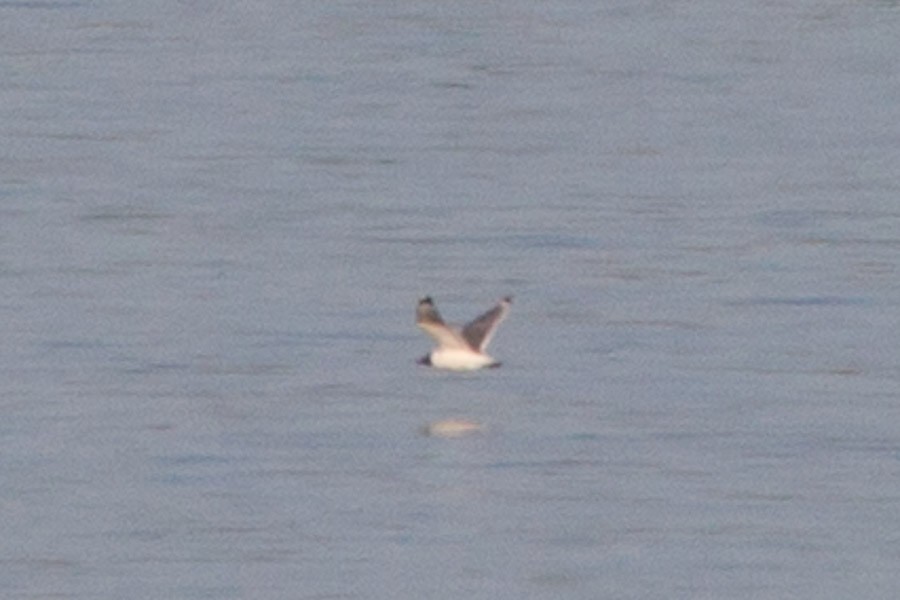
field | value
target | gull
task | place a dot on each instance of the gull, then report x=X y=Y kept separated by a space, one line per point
x=460 y=349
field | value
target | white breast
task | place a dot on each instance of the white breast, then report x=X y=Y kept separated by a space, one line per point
x=459 y=360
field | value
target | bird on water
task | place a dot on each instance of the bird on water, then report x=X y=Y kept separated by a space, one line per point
x=460 y=349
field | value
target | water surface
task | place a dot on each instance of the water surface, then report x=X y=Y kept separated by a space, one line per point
x=215 y=221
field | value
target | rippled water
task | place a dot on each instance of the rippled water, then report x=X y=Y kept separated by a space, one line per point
x=216 y=219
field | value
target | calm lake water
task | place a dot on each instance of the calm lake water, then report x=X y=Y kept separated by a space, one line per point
x=216 y=220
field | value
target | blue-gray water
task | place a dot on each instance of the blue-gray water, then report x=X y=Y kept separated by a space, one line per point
x=216 y=219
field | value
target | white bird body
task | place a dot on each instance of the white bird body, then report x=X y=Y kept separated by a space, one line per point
x=460 y=360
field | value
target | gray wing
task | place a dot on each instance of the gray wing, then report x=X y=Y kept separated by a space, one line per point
x=430 y=321
x=479 y=332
